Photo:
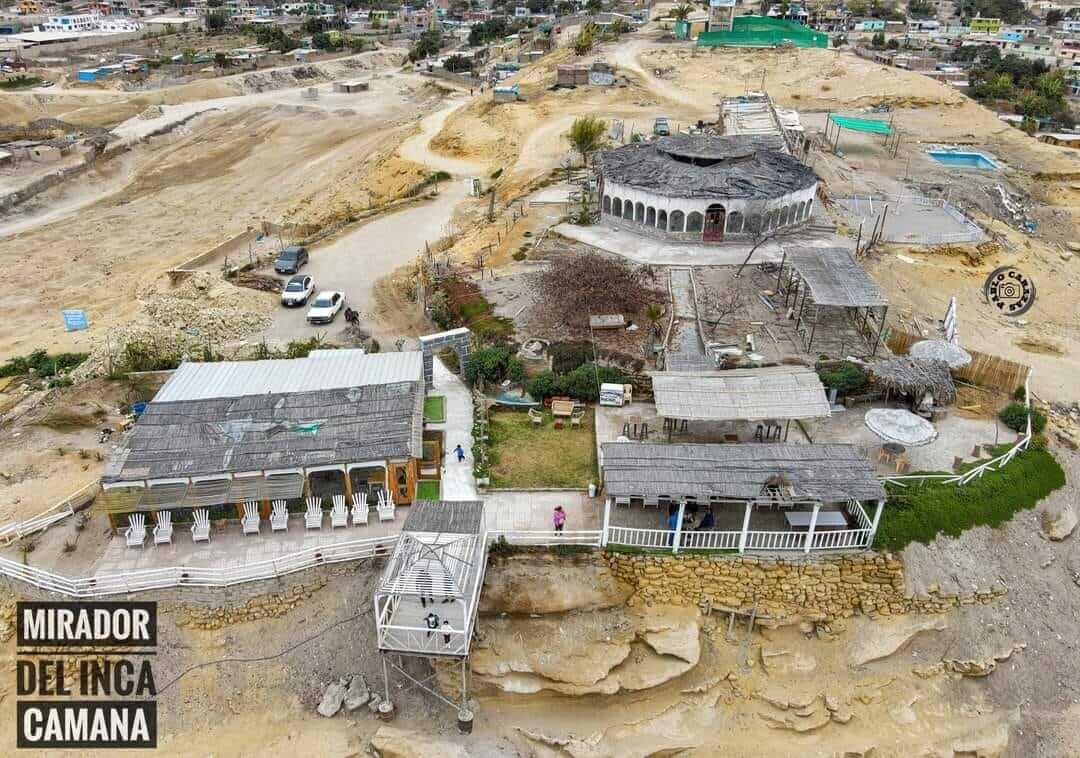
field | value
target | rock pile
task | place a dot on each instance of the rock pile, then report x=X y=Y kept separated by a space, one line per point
x=786 y=591
x=350 y=692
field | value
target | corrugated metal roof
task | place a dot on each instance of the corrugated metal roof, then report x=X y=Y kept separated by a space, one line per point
x=777 y=392
x=831 y=473
x=206 y=381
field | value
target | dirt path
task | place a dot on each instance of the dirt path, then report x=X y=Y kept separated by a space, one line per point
x=418 y=148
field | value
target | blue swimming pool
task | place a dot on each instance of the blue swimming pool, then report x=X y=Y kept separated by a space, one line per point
x=961 y=159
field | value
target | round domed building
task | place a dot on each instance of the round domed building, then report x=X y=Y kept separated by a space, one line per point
x=705 y=188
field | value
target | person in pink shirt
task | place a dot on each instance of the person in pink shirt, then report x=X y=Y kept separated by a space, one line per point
x=558 y=518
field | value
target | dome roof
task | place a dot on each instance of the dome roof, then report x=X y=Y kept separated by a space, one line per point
x=707 y=166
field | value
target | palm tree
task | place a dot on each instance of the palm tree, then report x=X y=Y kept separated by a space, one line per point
x=682 y=12
x=587 y=134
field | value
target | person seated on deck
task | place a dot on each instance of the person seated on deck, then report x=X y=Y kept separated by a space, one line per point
x=707 y=522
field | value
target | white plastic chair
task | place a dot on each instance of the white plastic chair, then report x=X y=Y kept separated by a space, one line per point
x=250 y=522
x=339 y=514
x=163 y=530
x=314 y=516
x=200 y=530
x=360 y=509
x=279 y=516
x=135 y=534
x=385 y=508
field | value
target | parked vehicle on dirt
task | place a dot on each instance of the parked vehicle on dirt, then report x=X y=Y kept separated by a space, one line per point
x=660 y=127
x=297 y=290
x=325 y=307
x=291 y=259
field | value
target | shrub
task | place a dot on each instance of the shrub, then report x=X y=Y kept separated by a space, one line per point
x=1014 y=416
x=489 y=365
x=567 y=356
x=42 y=363
x=846 y=377
x=543 y=385
x=919 y=514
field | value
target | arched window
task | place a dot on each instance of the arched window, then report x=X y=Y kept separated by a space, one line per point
x=753 y=223
x=628 y=210
x=810 y=207
x=784 y=215
x=734 y=222
x=676 y=223
x=694 y=221
x=650 y=217
x=661 y=220
x=616 y=207
x=639 y=213
x=607 y=203
x=802 y=211
x=770 y=220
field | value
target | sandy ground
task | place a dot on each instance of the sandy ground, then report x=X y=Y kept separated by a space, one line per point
x=268 y=160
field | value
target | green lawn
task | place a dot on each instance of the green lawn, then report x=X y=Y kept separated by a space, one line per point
x=428 y=490
x=435 y=408
x=529 y=456
x=919 y=513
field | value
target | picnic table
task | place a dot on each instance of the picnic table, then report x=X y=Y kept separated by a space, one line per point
x=826 y=519
x=562 y=407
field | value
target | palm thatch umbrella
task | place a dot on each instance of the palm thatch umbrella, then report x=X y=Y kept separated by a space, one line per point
x=941 y=350
x=899 y=425
x=915 y=377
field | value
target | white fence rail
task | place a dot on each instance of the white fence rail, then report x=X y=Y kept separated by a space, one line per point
x=17 y=530
x=592 y=538
x=196 y=576
x=769 y=541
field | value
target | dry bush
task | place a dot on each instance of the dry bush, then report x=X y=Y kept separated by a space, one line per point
x=576 y=287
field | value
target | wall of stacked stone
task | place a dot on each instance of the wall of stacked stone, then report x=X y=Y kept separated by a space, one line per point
x=821 y=589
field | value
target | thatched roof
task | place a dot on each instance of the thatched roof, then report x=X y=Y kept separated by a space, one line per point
x=775 y=392
x=915 y=377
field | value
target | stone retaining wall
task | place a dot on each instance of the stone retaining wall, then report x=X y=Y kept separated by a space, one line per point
x=821 y=589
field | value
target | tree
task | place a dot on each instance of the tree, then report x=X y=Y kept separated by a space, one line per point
x=458 y=63
x=584 y=41
x=216 y=22
x=429 y=44
x=322 y=41
x=682 y=12
x=594 y=6
x=221 y=60
x=1051 y=85
x=878 y=40
x=590 y=283
x=1053 y=17
x=587 y=134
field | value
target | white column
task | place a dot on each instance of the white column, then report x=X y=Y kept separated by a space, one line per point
x=813 y=525
x=745 y=526
x=880 y=506
x=607 y=522
x=678 y=527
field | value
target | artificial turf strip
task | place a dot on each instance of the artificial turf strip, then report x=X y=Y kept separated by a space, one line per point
x=920 y=513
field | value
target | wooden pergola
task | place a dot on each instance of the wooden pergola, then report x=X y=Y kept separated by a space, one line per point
x=830 y=278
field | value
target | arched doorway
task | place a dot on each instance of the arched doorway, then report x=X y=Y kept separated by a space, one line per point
x=715 y=218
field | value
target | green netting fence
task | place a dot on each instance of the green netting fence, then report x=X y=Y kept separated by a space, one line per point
x=761 y=31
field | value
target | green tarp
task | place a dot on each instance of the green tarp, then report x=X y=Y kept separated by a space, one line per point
x=861 y=124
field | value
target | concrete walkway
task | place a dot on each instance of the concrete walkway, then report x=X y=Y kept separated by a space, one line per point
x=531 y=511
x=457 y=478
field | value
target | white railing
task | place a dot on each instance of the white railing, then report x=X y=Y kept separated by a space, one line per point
x=544 y=538
x=841 y=539
x=976 y=473
x=66 y=507
x=647 y=538
x=776 y=540
x=197 y=576
x=422 y=639
x=709 y=540
x=855 y=510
